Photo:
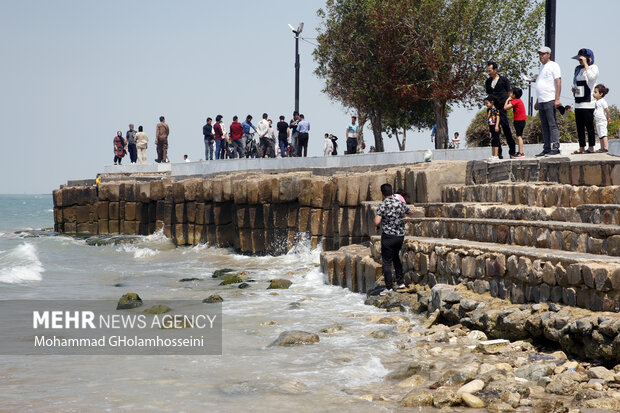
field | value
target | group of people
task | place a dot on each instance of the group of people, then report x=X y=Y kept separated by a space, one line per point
x=136 y=142
x=590 y=106
x=237 y=141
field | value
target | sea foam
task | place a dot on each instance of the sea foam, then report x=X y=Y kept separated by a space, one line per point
x=20 y=265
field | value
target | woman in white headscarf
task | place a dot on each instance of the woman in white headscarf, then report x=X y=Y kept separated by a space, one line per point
x=586 y=74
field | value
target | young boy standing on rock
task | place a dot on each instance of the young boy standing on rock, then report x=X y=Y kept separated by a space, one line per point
x=390 y=216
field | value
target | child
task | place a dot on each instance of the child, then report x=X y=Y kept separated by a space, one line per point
x=601 y=115
x=514 y=102
x=493 y=121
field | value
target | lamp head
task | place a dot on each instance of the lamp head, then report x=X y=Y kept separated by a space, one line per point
x=300 y=28
x=292 y=28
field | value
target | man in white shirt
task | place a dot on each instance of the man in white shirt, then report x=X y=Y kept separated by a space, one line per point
x=548 y=89
x=263 y=129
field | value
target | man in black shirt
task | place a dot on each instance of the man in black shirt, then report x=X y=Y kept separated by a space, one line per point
x=207 y=131
x=283 y=133
x=498 y=87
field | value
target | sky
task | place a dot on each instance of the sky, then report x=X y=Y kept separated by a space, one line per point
x=76 y=71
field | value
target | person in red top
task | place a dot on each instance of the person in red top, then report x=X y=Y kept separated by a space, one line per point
x=236 y=133
x=514 y=102
x=220 y=135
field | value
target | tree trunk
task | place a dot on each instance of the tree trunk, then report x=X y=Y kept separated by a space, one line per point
x=377 y=127
x=361 y=121
x=402 y=147
x=441 y=119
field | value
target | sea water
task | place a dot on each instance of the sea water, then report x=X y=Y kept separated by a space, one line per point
x=249 y=376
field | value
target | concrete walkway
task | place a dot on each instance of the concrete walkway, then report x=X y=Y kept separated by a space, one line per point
x=343 y=161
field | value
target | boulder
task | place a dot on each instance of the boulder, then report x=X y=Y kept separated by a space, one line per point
x=413 y=381
x=128 y=301
x=472 y=387
x=446 y=397
x=220 y=272
x=535 y=372
x=417 y=397
x=294 y=338
x=213 y=299
x=472 y=401
x=158 y=309
x=279 y=283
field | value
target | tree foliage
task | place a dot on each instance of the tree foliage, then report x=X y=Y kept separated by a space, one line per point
x=347 y=60
x=443 y=47
x=385 y=56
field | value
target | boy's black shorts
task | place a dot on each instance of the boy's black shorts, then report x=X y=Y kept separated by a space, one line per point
x=519 y=126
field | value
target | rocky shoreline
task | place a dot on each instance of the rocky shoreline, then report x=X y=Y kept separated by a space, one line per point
x=453 y=362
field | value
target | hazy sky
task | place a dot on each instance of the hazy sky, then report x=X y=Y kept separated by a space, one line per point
x=76 y=71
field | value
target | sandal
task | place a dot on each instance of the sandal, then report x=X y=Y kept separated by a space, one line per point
x=601 y=151
x=590 y=151
x=578 y=152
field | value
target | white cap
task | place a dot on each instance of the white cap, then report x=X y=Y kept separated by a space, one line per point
x=544 y=49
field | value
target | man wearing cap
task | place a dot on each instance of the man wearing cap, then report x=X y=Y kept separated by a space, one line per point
x=548 y=89
x=584 y=81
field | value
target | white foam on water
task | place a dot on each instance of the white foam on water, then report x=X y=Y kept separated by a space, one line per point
x=366 y=372
x=138 y=252
x=20 y=265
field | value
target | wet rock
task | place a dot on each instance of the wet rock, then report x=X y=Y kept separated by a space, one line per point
x=534 y=372
x=220 y=272
x=413 y=381
x=213 y=299
x=432 y=319
x=294 y=306
x=184 y=280
x=405 y=371
x=512 y=399
x=244 y=285
x=381 y=334
x=445 y=397
x=158 y=309
x=128 y=301
x=269 y=323
x=232 y=280
x=295 y=338
x=472 y=387
x=367 y=397
x=280 y=284
x=472 y=401
x=417 y=397
x=502 y=385
x=499 y=406
x=331 y=329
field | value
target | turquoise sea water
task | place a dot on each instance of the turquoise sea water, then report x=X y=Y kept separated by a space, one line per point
x=248 y=376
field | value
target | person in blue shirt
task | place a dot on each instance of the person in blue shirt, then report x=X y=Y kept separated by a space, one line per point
x=303 y=129
x=247 y=134
x=352 y=134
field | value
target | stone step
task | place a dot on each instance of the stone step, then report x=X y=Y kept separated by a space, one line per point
x=608 y=214
x=520 y=274
x=567 y=236
x=533 y=194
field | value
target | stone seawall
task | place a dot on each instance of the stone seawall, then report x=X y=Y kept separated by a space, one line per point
x=253 y=212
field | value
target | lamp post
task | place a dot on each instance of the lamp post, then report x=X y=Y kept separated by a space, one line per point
x=550 y=8
x=530 y=101
x=297 y=33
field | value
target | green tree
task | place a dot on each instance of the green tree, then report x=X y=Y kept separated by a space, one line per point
x=347 y=60
x=437 y=50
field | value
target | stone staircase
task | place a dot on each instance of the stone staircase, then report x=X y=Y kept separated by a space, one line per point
x=522 y=241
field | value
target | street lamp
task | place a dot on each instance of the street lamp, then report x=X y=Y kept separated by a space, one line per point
x=297 y=33
x=530 y=102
